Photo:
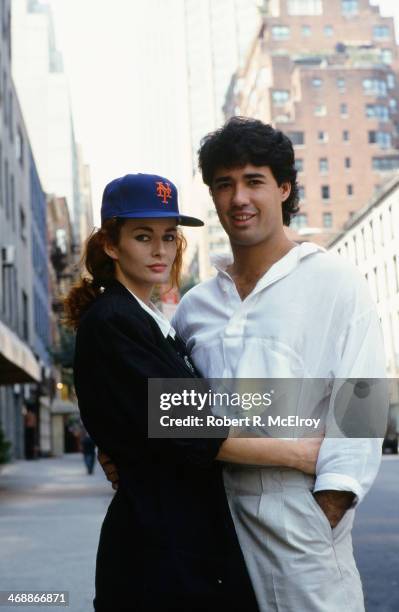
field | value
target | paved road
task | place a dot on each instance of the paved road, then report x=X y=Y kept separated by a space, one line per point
x=51 y=513
x=50 y=517
x=376 y=539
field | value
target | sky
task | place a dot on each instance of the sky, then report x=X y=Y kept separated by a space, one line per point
x=126 y=76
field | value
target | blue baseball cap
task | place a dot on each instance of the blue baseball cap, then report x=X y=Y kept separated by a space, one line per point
x=143 y=196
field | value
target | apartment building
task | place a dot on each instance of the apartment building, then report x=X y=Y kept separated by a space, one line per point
x=326 y=73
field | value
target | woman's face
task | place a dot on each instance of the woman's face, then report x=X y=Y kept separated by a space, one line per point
x=145 y=253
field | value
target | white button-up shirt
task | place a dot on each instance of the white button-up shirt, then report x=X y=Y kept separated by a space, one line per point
x=309 y=316
x=162 y=322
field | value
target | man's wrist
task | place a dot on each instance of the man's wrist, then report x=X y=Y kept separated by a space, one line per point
x=334 y=504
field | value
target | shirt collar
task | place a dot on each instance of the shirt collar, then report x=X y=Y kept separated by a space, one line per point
x=163 y=323
x=279 y=269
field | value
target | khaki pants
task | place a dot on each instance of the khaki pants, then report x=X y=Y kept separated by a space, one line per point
x=296 y=562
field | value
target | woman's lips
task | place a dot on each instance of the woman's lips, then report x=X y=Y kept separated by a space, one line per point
x=158 y=267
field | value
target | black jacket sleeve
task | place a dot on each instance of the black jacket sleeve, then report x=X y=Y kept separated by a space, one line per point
x=115 y=355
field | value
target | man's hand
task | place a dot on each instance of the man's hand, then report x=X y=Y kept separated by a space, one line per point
x=109 y=469
x=334 y=504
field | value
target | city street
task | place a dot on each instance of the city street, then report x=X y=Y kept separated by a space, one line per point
x=51 y=512
x=50 y=517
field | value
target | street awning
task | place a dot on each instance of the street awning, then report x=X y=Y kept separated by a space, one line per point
x=17 y=362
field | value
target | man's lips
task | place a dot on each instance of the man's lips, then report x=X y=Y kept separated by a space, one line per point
x=158 y=267
x=242 y=218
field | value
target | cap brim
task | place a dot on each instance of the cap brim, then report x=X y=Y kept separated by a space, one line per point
x=190 y=221
x=181 y=219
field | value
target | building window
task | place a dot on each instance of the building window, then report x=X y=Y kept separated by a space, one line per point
x=320 y=111
x=325 y=192
x=323 y=164
x=317 y=82
x=349 y=190
x=383 y=139
x=301 y=192
x=386 y=56
x=381 y=231
x=348 y=162
x=19 y=147
x=349 y=7
x=377 y=111
x=7 y=189
x=393 y=105
x=391 y=81
x=371 y=226
x=280 y=96
x=328 y=30
x=341 y=85
x=297 y=138
x=343 y=110
x=385 y=164
x=380 y=32
x=305 y=7
x=22 y=224
x=322 y=136
x=25 y=317
x=375 y=87
x=280 y=32
x=299 y=165
x=327 y=219
x=345 y=136
x=300 y=220
x=306 y=31
x=12 y=200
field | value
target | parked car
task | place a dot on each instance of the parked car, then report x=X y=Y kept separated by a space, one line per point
x=391 y=436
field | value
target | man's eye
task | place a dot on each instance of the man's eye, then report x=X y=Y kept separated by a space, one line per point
x=254 y=182
x=169 y=237
x=142 y=237
x=223 y=186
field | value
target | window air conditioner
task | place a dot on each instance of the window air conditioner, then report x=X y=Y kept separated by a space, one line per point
x=8 y=255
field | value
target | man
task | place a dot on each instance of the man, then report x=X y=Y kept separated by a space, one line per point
x=281 y=310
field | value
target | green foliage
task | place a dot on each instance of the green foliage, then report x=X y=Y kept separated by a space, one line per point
x=5 y=446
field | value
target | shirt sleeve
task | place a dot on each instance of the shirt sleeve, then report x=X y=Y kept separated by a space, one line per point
x=178 y=321
x=113 y=362
x=347 y=462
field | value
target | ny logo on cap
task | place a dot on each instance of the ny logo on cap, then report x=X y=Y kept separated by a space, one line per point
x=164 y=191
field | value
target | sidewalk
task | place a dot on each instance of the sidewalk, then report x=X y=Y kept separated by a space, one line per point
x=50 y=518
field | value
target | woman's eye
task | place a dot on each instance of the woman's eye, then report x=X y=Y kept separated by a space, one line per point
x=169 y=237
x=142 y=238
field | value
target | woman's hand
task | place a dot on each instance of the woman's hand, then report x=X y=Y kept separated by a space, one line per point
x=109 y=469
x=305 y=453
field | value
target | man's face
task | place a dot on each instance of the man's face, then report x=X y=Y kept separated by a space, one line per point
x=249 y=203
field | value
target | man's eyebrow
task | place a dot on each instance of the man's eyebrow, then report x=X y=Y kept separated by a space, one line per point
x=248 y=175
x=220 y=179
x=251 y=175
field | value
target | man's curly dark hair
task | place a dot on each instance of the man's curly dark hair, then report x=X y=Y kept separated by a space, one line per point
x=244 y=141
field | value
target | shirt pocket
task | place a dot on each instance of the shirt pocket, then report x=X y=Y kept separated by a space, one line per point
x=268 y=358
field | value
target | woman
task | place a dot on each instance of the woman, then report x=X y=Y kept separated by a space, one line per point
x=168 y=542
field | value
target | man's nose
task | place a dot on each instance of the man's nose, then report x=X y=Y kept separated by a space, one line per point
x=239 y=196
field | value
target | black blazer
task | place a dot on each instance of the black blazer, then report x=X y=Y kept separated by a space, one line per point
x=168 y=541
